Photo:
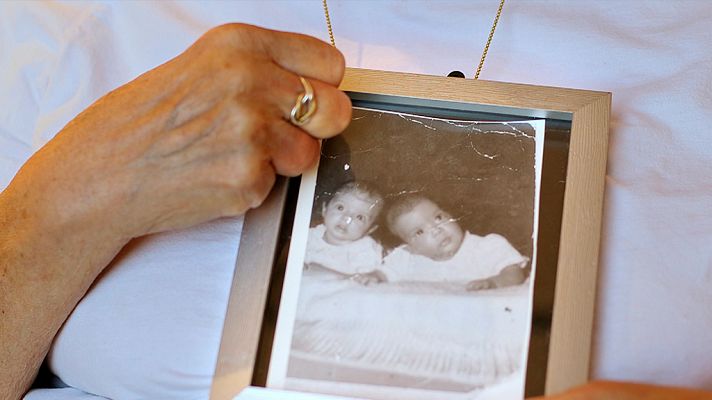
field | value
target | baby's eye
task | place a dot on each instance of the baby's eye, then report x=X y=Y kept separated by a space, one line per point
x=361 y=218
x=418 y=232
x=438 y=218
x=340 y=207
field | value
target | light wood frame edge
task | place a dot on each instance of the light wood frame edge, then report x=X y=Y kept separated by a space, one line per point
x=573 y=314
x=248 y=295
x=579 y=246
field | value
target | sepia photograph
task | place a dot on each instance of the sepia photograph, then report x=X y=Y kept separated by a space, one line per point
x=412 y=260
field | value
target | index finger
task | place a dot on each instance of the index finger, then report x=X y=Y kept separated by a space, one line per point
x=304 y=55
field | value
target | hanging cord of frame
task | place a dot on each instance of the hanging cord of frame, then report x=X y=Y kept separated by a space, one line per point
x=484 y=52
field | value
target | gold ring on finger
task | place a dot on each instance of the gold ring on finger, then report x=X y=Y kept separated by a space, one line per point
x=305 y=106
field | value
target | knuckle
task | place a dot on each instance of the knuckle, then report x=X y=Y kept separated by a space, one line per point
x=334 y=63
x=303 y=156
x=248 y=72
x=259 y=185
x=255 y=132
x=225 y=179
x=217 y=51
x=248 y=68
x=344 y=113
x=252 y=176
x=338 y=116
x=238 y=70
x=249 y=123
x=338 y=65
x=248 y=181
x=228 y=33
x=232 y=38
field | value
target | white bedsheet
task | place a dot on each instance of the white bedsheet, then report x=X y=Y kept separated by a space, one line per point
x=654 y=317
x=61 y=394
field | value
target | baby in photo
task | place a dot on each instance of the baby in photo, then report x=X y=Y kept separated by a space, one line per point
x=342 y=243
x=436 y=249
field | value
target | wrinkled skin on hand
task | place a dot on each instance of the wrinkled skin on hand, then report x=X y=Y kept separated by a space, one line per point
x=198 y=138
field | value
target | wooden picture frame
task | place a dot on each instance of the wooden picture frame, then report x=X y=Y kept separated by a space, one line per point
x=569 y=296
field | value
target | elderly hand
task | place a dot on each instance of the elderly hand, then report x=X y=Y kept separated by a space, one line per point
x=197 y=138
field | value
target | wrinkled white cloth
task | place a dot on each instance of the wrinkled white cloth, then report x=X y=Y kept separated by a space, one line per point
x=150 y=328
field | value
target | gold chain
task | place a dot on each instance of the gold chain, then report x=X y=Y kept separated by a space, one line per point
x=484 y=52
x=328 y=22
x=489 y=39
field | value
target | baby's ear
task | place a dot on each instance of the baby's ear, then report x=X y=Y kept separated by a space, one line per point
x=323 y=209
x=372 y=229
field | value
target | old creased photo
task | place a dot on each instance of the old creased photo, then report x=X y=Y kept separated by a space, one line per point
x=412 y=260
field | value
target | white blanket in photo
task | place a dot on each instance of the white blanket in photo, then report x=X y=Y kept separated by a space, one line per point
x=427 y=336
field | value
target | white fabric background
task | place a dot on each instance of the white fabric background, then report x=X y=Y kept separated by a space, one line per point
x=136 y=336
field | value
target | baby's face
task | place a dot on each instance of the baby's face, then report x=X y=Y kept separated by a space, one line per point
x=348 y=217
x=430 y=231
